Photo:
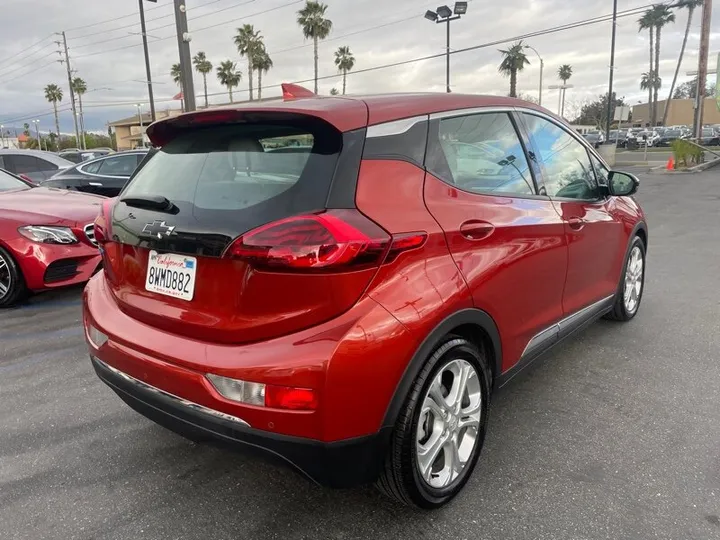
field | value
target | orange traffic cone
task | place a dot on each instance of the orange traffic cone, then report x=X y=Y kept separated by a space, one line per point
x=670 y=164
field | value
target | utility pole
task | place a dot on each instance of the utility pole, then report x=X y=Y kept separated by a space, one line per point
x=72 y=92
x=612 y=70
x=147 y=59
x=183 y=37
x=702 y=69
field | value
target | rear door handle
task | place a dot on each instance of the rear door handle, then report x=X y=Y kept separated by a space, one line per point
x=476 y=230
x=576 y=223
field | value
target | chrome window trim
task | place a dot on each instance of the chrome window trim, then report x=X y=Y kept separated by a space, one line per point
x=468 y=111
x=178 y=400
x=394 y=127
x=554 y=329
x=103 y=158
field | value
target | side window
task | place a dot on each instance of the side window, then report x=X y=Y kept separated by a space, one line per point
x=601 y=173
x=118 y=166
x=566 y=164
x=481 y=153
x=92 y=168
x=2 y=163
x=46 y=165
x=22 y=164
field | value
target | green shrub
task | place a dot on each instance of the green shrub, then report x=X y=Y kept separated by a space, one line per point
x=687 y=153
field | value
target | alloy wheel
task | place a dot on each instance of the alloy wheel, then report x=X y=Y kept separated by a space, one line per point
x=633 y=280
x=5 y=277
x=447 y=430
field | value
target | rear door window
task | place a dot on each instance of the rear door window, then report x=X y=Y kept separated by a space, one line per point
x=21 y=164
x=92 y=168
x=118 y=166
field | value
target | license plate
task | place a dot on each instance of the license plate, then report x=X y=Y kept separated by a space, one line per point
x=171 y=275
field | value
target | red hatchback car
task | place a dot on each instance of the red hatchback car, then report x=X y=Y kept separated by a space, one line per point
x=46 y=238
x=342 y=282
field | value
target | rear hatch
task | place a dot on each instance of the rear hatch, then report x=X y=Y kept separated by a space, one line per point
x=225 y=234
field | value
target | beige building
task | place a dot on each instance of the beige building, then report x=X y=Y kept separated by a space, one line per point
x=680 y=114
x=129 y=134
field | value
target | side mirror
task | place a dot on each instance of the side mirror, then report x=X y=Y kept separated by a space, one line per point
x=621 y=184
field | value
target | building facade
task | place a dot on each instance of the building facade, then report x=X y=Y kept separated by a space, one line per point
x=681 y=112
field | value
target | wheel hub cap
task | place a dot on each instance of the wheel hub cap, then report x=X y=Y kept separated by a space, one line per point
x=5 y=277
x=449 y=422
x=633 y=280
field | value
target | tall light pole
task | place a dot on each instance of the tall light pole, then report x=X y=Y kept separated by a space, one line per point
x=37 y=132
x=147 y=58
x=183 y=37
x=542 y=65
x=444 y=14
x=612 y=69
x=702 y=69
x=561 y=95
x=142 y=135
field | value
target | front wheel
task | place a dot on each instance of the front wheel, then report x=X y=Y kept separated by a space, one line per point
x=632 y=283
x=12 y=284
x=440 y=431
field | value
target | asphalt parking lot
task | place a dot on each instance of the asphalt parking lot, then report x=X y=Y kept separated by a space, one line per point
x=615 y=435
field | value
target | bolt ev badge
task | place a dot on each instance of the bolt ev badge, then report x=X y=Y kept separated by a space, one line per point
x=158 y=228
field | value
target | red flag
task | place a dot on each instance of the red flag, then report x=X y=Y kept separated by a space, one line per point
x=178 y=96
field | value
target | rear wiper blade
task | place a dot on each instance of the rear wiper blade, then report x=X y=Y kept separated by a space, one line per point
x=151 y=202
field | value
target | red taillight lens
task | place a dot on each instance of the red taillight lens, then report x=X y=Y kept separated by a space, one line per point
x=285 y=397
x=332 y=240
x=28 y=179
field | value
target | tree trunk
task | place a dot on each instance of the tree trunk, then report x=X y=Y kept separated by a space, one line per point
x=677 y=68
x=656 y=82
x=205 y=85
x=513 y=83
x=230 y=92
x=344 y=80
x=562 y=107
x=250 y=77
x=259 y=83
x=652 y=70
x=315 y=46
x=57 y=122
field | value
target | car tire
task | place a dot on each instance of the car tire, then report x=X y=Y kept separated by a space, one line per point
x=12 y=283
x=625 y=308
x=418 y=424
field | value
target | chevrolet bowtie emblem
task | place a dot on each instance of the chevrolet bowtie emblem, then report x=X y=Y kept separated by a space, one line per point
x=158 y=228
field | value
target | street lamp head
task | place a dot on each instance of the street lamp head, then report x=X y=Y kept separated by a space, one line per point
x=461 y=8
x=431 y=15
x=444 y=12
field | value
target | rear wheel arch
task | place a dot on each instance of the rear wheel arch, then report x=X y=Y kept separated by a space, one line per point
x=475 y=325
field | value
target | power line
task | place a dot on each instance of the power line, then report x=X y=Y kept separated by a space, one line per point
x=27 y=49
x=28 y=72
x=194 y=30
x=134 y=14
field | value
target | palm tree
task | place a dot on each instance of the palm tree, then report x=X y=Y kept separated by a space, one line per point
x=648 y=81
x=690 y=5
x=53 y=93
x=80 y=87
x=564 y=73
x=176 y=74
x=345 y=61
x=228 y=75
x=662 y=16
x=262 y=63
x=646 y=23
x=203 y=66
x=314 y=25
x=514 y=60
x=249 y=43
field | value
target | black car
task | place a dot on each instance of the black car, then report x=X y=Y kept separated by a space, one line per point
x=105 y=175
x=619 y=137
x=668 y=136
x=78 y=156
x=710 y=137
x=32 y=165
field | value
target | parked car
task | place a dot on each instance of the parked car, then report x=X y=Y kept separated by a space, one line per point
x=351 y=312
x=46 y=238
x=32 y=165
x=596 y=138
x=78 y=156
x=668 y=136
x=710 y=137
x=105 y=175
x=619 y=137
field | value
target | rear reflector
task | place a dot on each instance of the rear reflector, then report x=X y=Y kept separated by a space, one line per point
x=264 y=395
x=96 y=337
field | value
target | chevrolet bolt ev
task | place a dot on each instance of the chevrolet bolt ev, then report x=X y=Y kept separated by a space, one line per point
x=342 y=282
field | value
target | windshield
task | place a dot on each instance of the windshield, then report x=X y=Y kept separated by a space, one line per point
x=9 y=182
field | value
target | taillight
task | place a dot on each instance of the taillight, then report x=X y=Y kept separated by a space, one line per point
x=28 y=179
x=331 y=241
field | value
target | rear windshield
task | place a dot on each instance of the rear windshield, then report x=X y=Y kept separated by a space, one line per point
x=243 y=175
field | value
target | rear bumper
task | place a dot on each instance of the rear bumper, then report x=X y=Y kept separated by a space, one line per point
x=337 y=464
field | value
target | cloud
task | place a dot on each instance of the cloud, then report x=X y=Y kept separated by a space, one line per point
x=106 y=50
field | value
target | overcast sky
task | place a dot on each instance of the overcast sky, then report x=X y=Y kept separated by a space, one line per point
x=377 y=31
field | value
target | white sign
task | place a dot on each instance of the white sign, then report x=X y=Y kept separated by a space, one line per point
x=622 y=114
